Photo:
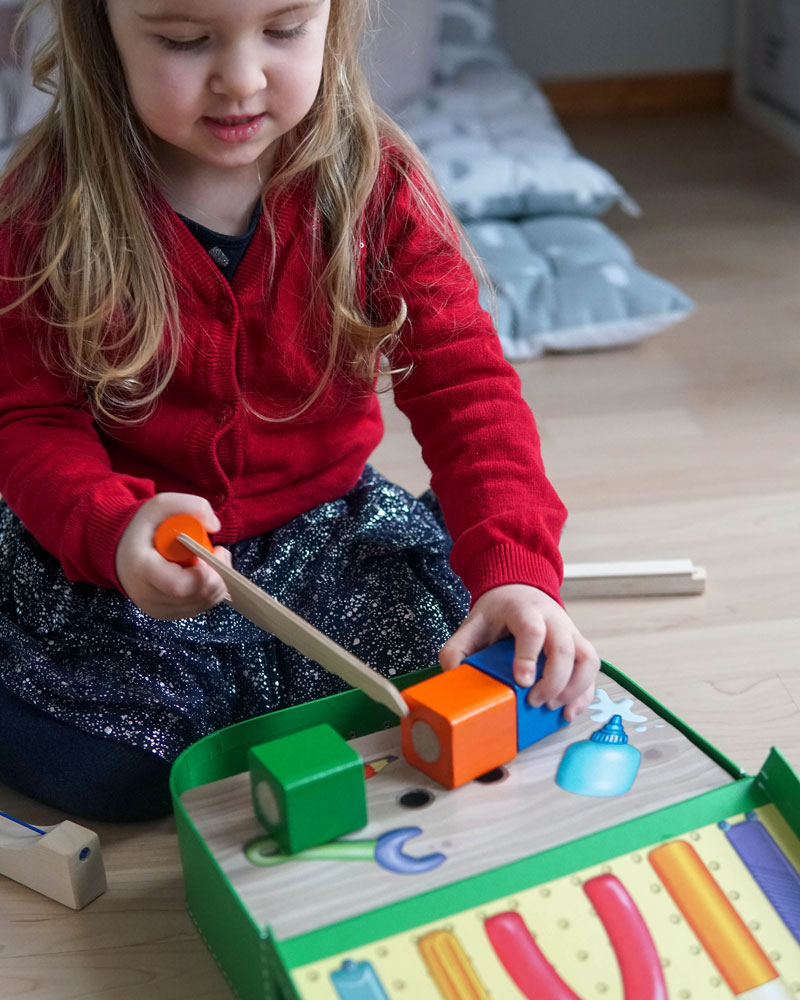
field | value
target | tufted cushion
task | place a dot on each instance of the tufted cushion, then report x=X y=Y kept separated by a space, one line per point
x=497 y=149
x=565 y=283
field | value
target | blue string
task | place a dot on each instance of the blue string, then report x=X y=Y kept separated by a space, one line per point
x=22 y=823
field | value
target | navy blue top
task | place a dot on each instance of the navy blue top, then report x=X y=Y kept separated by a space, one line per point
x=226 y=251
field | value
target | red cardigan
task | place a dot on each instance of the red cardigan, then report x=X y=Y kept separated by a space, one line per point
x=76 y=485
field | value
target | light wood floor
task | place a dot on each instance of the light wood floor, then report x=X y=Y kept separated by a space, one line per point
x=686 y=445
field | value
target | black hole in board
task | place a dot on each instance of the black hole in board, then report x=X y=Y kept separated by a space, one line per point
x=493 y=776
x=417 y=798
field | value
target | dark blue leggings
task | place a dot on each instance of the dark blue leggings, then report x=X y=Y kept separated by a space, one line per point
x=77 y=772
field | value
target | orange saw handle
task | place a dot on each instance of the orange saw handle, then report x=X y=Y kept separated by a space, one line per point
x=166 y=538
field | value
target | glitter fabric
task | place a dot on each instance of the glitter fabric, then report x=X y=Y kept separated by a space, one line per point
x=370 y=570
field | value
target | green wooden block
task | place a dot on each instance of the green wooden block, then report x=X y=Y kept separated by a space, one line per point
x=308 y=787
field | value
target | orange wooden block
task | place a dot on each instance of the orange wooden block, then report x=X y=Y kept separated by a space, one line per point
x=461 y=724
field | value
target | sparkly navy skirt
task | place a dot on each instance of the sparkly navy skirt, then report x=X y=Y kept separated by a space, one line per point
x=370 y=570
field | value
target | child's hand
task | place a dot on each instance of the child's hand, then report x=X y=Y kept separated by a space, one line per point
x=162 y=589
x=538 y=623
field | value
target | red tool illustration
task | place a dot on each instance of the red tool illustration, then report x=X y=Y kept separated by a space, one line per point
x=523 y=960
x=639 y=965
x=638 y=960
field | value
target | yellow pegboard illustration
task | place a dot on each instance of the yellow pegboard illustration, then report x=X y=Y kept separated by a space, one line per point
x=685 y=920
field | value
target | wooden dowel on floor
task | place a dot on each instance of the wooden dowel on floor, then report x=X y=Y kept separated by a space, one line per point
x=642 y=578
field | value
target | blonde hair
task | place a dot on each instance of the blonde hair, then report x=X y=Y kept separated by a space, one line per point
x=98 y=259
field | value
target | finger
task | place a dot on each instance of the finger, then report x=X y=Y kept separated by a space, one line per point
x=559 y=663
x=188 y=503
x=468 y=638
x=223 y=554
x=205 y=595
x=207 y=517
x=529 y=637
x=213 y=586
x=174 y=583
x=581 y=703
x=187 y=589
x=584 y=673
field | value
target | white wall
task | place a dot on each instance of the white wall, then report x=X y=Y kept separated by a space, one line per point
x=554 y=39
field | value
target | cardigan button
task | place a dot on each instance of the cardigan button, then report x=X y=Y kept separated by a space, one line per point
x=225 y=309
x=223 y=413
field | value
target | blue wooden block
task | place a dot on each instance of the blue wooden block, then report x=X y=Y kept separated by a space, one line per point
x=532 y=723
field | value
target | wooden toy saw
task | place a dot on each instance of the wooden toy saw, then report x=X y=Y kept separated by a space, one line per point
x=180 y=532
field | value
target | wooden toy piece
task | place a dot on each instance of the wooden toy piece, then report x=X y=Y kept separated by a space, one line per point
x=532 y=723
x=633 y=578
x=63 y=862
x=166 y=538
x=308 y=787
x=269 y=614
x=461 y=724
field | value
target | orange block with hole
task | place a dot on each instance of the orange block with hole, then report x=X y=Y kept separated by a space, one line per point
x=461 y=724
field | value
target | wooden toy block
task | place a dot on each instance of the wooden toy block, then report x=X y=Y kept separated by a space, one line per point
x=308 y=788
x=532 y=723
x=461 y=724
x=63 y=862
x=636 y=578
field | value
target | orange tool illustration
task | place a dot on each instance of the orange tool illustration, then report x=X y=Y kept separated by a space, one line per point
x=740 y=959
x=450 y=967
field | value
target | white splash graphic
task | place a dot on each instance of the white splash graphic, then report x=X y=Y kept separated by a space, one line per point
x=602 y=708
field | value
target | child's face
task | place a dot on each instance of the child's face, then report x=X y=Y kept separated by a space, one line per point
x=218 y=82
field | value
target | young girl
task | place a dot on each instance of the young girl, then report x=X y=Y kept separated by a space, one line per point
x=208 y=247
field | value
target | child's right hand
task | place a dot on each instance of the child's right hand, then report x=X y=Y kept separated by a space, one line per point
x=162 y=589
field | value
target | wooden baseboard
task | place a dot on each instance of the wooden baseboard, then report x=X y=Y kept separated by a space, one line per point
x=621 y=95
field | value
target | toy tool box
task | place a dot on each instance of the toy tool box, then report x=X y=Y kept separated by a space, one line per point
x=686 y=884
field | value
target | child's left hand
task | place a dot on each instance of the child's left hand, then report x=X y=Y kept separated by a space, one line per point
x=538 y=624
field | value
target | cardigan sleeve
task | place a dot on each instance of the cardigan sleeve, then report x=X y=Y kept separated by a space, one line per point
x=463 y=399
x=55 y=473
